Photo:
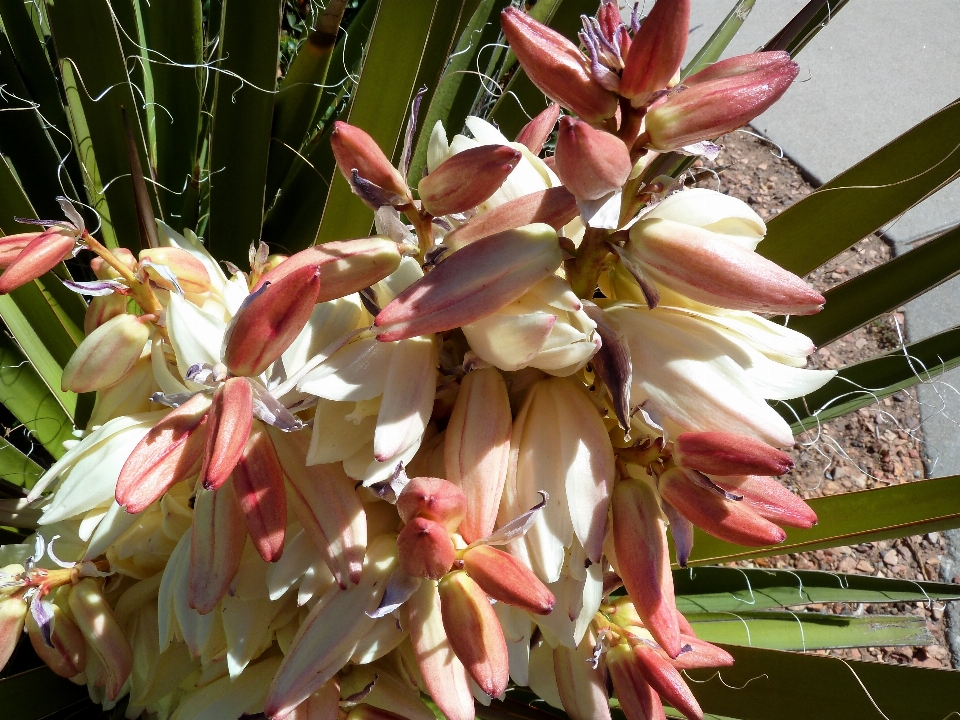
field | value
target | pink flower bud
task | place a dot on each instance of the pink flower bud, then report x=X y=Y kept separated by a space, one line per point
x=770 y=500
x=228 y=427
x=741 y=65
x=728 y=520
x=722 y=453
x=103 y=634
x=557 y=67
x=354 y=149
x=591 y=163
x=68 y=656
x=700 y=655
x=192 y=275
x=536 y=132
x=43 y=253
x=258 y=483
x=609 y=18
x=433 y=499
x=12 y=245
x=106 y=355
x=474 y=632
x=637 y=699
x=13 y=609
x=666 y=680
x=346 y=266
x=269 y=321
x=656 y=51
x=472 y=283
x=168 y=453
x=640 y=541
x=101 y=309
x=501 y=576
x=466 y=179
x=216 y=546
x=553 y=206
x=104 y=271
x=711 y=269
x=710 y=108
x=425 y=549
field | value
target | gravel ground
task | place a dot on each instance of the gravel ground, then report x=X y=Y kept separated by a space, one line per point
x=878 y=446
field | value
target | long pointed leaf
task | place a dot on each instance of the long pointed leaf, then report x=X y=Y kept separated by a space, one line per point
x=17 y=468
x=37 y=693
x=805 y=24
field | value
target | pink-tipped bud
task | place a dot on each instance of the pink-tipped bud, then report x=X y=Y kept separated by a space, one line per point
x=228 y=427
x=192 y=275
x=504 y=578
x=269 y=321
x=666 y=680
x=472 y=283
x=216 y=546
x=726 y=100
x=729 y=520
x=557 y=67
x=12 y=245
x=101 y=309
x=168 y=453
x=425 y=549
x=68 y=656
x=637 y=699
x=106 y=355
x=466 y=179
x=685 y=627
x=105 y=271
x=13 y=609
x=103 y=634
x=433 y=499
x=591 y=163
x=554 y=206
x=474 y=632
x=656 y=51
x=723 y=453
x=708 y=268
x=770 y=500
x=354 y=149
x=346 y=266
x=258 y=483
x=536 y=132
x=608 y=16
x=477 y=448
x=42 y=254
x=640 y=540
x=700 y=655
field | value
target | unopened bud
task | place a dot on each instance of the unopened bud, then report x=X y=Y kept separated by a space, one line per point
x=168 y=453
x=709 y=108
x=43 y=253
x=472 y=283
x=434 y=499
x=346 y=266
x=591 y=163
x=637 y=699
x=770 y=500
x=258 y=483
x=12 y=245
x=228 y=427
x=466 y=179
x=354 y=149
x=536 y=132
x=101 y=309
x=425 y=549
x=192 y=275
x=216 y=546
x=722 y=453
x=656 y=51
x=666 y=680
x=12 y=612
x=474 y=632
x=504 y=578
x=68 y=656
x=557 y=67
x=608 y=16
x=700 y=655
x=105 y=271
x=106 y=355
x=103 y=634
x=269 y=321
x=728 y=520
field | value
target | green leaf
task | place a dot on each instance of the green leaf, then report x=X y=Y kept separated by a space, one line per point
x=396 y=49
x=98 y=76
x=716 y=589
x=804 y=26
x=17 y=468
x=882 y=289
x=24 y=394
x=713 y=48
x=868 y=382
x=864 y=198
x=769 y=683
x=852 y=518
x=240 y=133
x=37 y=693
x=809 y=630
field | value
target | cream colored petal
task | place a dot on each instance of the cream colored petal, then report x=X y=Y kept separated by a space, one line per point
x=329 y=321
x=407 y=397
x=543 y=680
x=711 y=210
x=399 y=280
x=229 y=698
x=438 y=149
x=357 y=371
x=334 y=437
x=385 y=635
x=247 y=633
x=196 y=336
x=297 y=556
x=509 y=341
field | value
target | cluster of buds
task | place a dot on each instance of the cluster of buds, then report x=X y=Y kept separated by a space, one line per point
x=563 y=353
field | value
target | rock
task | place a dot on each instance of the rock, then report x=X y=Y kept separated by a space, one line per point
x=891 y=557
x=849 y=563
x=866 y=566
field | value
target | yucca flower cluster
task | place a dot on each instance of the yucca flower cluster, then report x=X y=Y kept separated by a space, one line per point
x=429 y=460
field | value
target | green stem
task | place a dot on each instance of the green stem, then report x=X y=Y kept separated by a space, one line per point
x=584 y=270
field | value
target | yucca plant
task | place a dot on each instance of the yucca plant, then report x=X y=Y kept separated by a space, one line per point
x=220 y=119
